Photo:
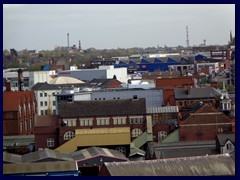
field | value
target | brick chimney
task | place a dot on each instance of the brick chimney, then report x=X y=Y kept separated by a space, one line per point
x=8 y=86
x=20 y=80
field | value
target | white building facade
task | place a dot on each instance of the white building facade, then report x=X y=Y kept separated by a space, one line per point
x=104 y=72
x=40 y=76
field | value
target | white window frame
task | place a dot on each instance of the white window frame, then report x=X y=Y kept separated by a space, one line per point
x=68 y=135
x=70 y=122
x=102 y=121
x=136 y=120
x=86 y=122
x=136 y=132
x=119 y=120
x=50 y=142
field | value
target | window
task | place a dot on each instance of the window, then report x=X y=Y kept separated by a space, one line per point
x=54 y=103
x=121 y=150
x=161 y=135
x=229 y=146
x=102 y=121
x=119 y=120
x=50 y=142
x=136 y=132
x=69 y=135
x=86 y=122
x=45 y=94
x=54 y=112
x=136 y=120
x=70 y=122
x=41 y=94
x=46 y=112
x=45 y=103
x=21 y=126
x=41 y=103
x=25 y=125
x=42 y=112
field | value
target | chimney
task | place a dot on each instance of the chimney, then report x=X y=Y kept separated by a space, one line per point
x=20 y=80
x=8 y=86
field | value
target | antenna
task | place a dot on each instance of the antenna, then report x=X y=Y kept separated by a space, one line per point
x=187 y=40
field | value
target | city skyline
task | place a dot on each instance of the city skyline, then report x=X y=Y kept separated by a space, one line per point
x=105 y=26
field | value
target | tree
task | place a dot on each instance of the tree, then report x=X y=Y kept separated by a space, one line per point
x=6 y=52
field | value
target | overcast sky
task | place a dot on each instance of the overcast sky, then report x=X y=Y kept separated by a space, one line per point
x=102 y=26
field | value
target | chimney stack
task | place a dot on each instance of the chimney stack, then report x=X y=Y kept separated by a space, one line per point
x=8 y=86
x=20 y=80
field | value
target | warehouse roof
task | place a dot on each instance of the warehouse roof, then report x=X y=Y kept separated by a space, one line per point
x=213 y=165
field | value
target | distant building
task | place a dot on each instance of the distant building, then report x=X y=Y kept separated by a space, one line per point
x=40 y=77
x=204 y=124
x=154 y=97
x=104 y=72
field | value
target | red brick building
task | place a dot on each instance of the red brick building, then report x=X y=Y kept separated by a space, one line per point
x=164 y=121
x=90 y=115
x=204 y=124
x=175 y=82
x=187 y=97
x=19 y=110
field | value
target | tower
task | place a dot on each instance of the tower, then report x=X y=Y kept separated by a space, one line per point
x=187 y=37
x=68 y=40
x=79 y=46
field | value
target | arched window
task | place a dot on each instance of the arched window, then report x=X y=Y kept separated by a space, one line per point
x=161 y=135
x=136 y=132
x=69 y=135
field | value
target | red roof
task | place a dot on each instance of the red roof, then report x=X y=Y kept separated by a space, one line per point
x=12 y=100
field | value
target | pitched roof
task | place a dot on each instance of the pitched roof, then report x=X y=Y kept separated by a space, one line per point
x=213 y=165
x=165 y=109
x=92 y=152
x=41 y=155
x=44 y=86
x=223 y=138
x=119 y=107
x=196 y=93
x=65 y=80
x=102 y=83
x=12 y=100
x=11 y=158
x=40 y=167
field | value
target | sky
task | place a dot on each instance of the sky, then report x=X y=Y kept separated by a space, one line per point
x=112 y=26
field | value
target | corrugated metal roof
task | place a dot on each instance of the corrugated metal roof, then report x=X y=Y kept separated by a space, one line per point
x=213 y=165
x=165 y=109
x=45 y=154
x=12 y=158
x=40 y=167
x=20 y=140
x=96 y=151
